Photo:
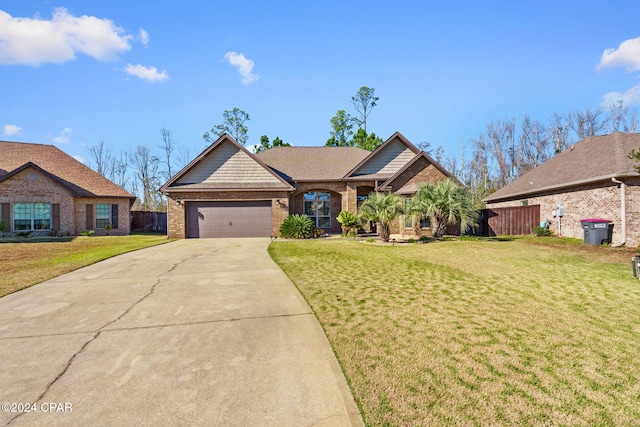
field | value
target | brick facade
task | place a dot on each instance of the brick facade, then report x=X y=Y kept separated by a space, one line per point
x=31 y=186
x=124 y=216
x=599 y=200
x=176 y=213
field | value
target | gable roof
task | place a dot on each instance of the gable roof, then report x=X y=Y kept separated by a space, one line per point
x=385 y=160
x=312 y=163
x=81 y=180
x=223 y=166
x=412 y=188
x=594 y=159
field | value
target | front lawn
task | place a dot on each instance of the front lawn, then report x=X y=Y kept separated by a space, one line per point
x=30 y=261
x=489 y=332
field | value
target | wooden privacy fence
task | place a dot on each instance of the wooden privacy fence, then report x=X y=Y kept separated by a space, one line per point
x=514 y=221
x=149 y=221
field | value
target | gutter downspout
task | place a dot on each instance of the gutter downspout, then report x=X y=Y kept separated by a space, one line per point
x=623 y=210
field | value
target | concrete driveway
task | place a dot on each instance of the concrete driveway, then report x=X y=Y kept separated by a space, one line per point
x=193 y=332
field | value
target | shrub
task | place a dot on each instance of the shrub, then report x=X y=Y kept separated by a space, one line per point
x=349 y=221
x=411 y=240
x=87 y=233
x=370 y=240
x=4 y=228
x=297 y=227
x=541 y=231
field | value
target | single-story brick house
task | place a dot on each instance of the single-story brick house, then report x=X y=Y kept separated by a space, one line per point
x=229 y=192
x=592 y=179
x=45 y=191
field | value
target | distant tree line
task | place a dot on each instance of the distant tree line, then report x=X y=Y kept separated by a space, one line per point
x=509 y=147
x=505 y=150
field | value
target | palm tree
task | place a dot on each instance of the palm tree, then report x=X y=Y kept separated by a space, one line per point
x=382 y=208
x=445 y=203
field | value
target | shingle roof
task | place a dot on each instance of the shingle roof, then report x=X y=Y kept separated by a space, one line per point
x=78 y=178
x=202 y=175
x=312 y=163
x=596 y=158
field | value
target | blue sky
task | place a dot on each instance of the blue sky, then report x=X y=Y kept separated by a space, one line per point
x=74 y=73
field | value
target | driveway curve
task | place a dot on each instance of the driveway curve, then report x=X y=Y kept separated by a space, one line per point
x=193 y=332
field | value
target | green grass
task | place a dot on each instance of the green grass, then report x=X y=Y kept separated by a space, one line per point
x=513 y=331
x=26 y=262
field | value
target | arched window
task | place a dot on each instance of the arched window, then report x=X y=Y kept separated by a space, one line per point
x=317 y=206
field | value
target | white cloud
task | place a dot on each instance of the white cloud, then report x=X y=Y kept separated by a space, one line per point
x=35 y=41
x=244 y=66
x=630 y=97
x=79 y=158
x=11 y=130
x=144 y=37
x=147 y=73
x=627 y=55
x=64 y=137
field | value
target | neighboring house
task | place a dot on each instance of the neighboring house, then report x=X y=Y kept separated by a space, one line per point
x=45 y=191
x=229 y=192
x=592 y=179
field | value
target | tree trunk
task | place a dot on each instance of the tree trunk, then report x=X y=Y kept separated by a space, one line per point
x=383 y=231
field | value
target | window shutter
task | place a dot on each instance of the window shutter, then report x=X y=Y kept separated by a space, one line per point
x=90 y=223
x=55 y=216
x=4 y=212
x=114 y=216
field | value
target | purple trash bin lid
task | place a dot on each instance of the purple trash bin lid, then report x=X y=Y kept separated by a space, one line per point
x=594 y=220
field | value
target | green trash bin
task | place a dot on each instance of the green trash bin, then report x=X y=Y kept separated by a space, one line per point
x=597 y=231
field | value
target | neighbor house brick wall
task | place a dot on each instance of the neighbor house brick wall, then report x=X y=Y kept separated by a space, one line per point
x=41 y=189
x=176 y=226
x=600 y=200
x=124 y=215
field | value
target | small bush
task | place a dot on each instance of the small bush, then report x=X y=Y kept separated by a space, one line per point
x=349 y=221
x=424 y=239
x=541 y=232
x=297 y=227
x=411 y=240
x=370 y=240
x=87 y=233
x=4 y=228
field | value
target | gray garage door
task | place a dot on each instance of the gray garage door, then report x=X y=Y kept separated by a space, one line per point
x=229 y=219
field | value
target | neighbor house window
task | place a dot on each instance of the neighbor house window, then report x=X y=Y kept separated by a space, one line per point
x=317 y=206
x=31 y=216
x=103 y=215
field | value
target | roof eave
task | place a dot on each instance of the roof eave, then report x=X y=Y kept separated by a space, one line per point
x=602 y=178
x=222 y=190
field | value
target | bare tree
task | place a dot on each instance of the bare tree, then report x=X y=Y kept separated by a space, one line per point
x=533 y=147
x=167 y=146
x=121 y=169
x=103 y=159
x=145 y=165
x=617 y=116
x=500 y=135
x=588 y=122
x=559 y=132
x=184 y=157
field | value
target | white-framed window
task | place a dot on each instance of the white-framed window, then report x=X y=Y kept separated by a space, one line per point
x=31 y=216
x=317 y=206
x=103 y=215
